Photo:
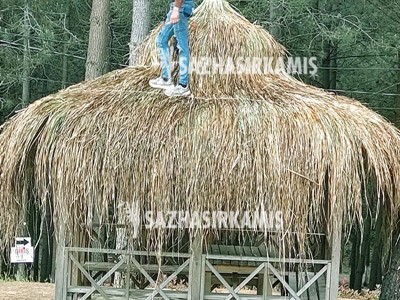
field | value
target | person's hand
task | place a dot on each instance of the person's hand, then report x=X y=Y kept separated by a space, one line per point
x=175 y=15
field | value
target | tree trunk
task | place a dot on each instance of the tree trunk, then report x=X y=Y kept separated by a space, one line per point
x=140 y=27
x=97 y=56
x=367 y=272
x=397 y=122
x=376 y=259
x=326 y=65
x=333 y=67
x=34 y=224
x=26 y=64
x=47 y=248
x=354 y=257
x=64 y=77
x=364 y=252
x=275 y=18
x=330 y=49
x=391 y=283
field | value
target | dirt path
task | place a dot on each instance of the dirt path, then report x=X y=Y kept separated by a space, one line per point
x=26 y=291
x=45 y=291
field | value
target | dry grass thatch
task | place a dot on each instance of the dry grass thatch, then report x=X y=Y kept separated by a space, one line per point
x=243 y=142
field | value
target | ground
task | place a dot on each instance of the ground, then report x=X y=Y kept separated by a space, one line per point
x=45 y=291
x=26 y=291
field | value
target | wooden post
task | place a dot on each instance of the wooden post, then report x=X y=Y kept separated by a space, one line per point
x=207 y=282
x=128 y=278
x=235 y=280
x=267 y=291
x=260 y=284
x=335 y=243
x=59 y=265
x=264 y=284
x=195 y=269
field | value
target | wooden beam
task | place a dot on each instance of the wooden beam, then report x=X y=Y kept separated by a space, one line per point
x=268 y=259
x=246 y=280
x=196 y=268
x=87 y=275
x=223 y=281
x=125 y=252
x=60 y=273
x=335 y=249
x=104 y=278
x=260 y=284
x=328 y=281
x=148 y=277
x=267 y=283
x=207 y=282
x=128 y=278
x=283 y=281
x=314 y=279
x=67 y=273
x=169 y=279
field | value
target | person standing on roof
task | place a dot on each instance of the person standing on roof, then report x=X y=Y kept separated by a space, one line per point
x=177 y=24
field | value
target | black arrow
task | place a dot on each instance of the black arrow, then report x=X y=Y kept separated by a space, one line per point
x=23 y=242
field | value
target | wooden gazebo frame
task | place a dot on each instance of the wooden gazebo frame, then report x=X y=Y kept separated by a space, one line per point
x=199 y=266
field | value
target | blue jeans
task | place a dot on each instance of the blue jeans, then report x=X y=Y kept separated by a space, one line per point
x=181 y=32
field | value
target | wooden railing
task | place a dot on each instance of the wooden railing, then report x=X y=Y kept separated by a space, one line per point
x=265 y=268
x=98 y=275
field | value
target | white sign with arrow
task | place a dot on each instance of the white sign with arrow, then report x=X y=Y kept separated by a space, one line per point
x=23 y=250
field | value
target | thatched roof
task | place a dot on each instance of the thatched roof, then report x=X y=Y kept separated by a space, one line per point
x=242 y=142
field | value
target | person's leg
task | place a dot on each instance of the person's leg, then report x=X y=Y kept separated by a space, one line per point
x=181 y=32
x=164 y=82
x=163 y=46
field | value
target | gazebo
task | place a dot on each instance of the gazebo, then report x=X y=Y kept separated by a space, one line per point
x=111 y=150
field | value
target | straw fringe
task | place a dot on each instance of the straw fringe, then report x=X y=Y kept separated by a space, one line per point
x=270 y=143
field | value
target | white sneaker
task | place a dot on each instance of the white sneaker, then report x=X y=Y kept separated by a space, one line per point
x=178 y=91
x=160 y=83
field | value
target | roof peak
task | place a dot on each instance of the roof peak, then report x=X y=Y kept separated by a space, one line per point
x=219 y=33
